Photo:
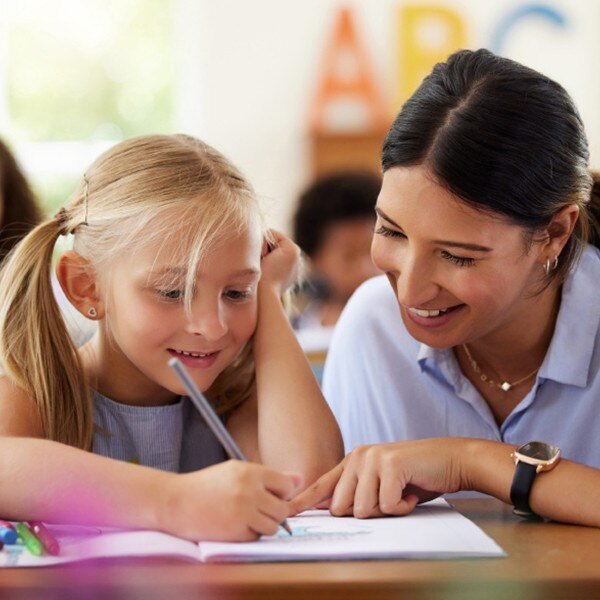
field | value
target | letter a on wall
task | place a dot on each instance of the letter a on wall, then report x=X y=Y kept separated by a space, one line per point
x=335 y=83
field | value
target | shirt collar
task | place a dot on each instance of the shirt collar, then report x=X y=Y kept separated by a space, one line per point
x=444 y=359
x=569 y=355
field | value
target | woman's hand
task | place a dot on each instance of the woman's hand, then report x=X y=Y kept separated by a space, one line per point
x=280 y=262
x=386 y=479
x=232 y=501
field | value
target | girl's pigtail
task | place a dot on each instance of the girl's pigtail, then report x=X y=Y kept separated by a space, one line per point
x=36 y=350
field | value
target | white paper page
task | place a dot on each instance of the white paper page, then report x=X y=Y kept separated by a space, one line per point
x=433 y=530
x=79 y=542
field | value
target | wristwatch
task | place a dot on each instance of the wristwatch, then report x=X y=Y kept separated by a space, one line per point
x=530 y=459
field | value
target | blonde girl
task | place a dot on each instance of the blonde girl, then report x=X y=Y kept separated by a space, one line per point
x=170 y=257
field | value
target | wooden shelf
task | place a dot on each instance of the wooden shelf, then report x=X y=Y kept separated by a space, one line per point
x=333 y=152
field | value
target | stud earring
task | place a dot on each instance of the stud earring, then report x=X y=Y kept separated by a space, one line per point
x=92 y=312
x=548 y=268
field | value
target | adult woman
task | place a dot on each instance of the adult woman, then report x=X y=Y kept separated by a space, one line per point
x=484 y=221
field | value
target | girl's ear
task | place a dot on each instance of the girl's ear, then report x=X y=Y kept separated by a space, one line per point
x=79 y=283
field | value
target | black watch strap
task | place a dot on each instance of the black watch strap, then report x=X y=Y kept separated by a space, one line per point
x=521 y=487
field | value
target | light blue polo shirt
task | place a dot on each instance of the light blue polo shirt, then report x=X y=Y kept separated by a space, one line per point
x=385 y=386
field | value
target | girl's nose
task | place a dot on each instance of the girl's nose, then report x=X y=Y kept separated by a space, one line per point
x=207 y=319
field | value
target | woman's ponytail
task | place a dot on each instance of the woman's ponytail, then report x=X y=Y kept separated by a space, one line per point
x=593 y=211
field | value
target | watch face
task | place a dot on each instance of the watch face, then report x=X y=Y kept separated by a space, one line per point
x=539 y=450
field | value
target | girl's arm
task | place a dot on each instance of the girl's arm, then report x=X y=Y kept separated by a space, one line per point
x=19 y=415
x=390 y=479
x=44 y=480
x=288 y=425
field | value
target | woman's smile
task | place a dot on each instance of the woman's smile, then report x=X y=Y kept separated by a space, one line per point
x=433 y=318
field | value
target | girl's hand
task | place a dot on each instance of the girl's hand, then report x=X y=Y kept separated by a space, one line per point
x=386 y=479
x=280 y=262
x=233 y=501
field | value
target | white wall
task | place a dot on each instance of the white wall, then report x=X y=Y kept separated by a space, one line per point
x=249 y=69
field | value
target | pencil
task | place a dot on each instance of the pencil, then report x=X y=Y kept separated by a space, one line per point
x=211 y=417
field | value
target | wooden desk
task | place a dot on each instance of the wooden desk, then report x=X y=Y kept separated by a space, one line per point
x=546 y=561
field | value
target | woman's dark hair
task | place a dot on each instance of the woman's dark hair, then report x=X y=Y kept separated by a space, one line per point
x=20 y=211
x=505 y=139
x=331 y=199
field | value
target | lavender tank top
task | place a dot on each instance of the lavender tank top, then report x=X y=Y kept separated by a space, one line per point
x=171 y=438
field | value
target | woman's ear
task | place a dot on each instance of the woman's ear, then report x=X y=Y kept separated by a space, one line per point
x=78 y=281
x=558 y=232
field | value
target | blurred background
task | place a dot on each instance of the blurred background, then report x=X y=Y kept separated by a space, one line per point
x=288 y=90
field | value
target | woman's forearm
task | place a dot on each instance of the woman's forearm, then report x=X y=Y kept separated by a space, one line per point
x=296 y=429
x=570 y=492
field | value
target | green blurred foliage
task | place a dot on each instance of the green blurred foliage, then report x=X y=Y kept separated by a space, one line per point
x=53 y=191
x=90 y=69
x=86 y=70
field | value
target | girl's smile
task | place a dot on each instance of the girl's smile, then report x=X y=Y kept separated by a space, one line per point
x=195 y=360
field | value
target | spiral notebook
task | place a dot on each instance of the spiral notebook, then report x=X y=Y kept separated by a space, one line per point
x=433 y=531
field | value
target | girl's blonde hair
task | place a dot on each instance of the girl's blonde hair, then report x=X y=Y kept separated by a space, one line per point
x=147 y=189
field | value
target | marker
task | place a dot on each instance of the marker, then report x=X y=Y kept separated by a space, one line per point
x=7 y=534
x=29 y=540
x=211 y=417
x=6 y=524
x=48 y=540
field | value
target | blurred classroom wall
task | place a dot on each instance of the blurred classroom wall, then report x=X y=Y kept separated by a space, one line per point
x=76 y=76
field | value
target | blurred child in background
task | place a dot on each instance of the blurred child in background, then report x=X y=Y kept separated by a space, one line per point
x=333 y=225
x=19 y=212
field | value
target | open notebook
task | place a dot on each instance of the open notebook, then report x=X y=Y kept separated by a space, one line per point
x=433 y=530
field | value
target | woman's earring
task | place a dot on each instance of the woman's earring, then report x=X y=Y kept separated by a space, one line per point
x=92 y=312
x=548 y=268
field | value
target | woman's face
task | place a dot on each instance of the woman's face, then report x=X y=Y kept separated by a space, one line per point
x=459 y=275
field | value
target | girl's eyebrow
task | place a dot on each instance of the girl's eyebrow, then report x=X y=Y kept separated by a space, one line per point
x=169 y=270
x=245 y=272
x=249 y=272
x=463 y=245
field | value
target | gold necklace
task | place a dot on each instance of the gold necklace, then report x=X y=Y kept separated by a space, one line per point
x=505 y=385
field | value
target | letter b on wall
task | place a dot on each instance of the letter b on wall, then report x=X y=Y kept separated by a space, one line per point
x=426 y=35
